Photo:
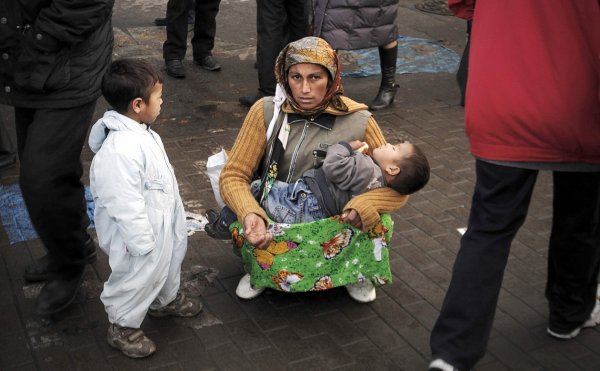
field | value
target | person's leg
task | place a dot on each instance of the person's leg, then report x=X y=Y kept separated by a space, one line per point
x=49 y=146
x=270 y=23
x=127 y=296
x=574 y=250
x=174 y=46
x=191 y=11
x=271 y=36
x=387 y=88
x=170 y=301
x=205 y=28
x=297 y=19
x=499 y=207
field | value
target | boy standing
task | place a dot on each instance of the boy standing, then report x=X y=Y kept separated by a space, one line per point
x=138 y=213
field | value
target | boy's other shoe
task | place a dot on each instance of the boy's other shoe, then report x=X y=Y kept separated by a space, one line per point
x=182 y=306
x=130 y=341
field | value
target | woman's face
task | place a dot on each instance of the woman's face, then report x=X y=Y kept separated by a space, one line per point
x=308 y=83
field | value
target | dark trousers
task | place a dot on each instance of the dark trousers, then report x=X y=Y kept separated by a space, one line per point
x=205 y=28
x=8 y=152
x=278 y=22
x=462 y=73
x=499 y=207
x=49 y=143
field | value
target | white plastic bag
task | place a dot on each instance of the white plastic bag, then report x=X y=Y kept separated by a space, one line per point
x=214 y=165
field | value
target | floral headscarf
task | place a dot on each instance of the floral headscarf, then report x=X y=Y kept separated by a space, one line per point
x=317 y=51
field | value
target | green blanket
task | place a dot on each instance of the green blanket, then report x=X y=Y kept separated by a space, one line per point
x=319 y=255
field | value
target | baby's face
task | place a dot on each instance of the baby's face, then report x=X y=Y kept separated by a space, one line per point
x=392 y=153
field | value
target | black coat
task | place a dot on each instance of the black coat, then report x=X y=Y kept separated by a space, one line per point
x=53 y=53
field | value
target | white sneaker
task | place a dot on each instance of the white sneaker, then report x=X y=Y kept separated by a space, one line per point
x=245 y=290
x=363 y=292
x=441 y=365
x=593 y=321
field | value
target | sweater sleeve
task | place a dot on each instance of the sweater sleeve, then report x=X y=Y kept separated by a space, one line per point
x=380 y=200
x=244 y=158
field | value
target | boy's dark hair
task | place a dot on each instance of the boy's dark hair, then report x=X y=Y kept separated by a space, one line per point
x=414 y=173
x=127 y=79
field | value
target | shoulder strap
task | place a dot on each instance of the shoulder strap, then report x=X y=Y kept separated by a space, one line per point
x=268 y=110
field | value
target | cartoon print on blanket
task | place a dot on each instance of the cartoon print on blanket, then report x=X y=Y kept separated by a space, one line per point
x=319 y=255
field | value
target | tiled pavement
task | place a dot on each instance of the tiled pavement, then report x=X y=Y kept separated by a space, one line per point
x=324 y=331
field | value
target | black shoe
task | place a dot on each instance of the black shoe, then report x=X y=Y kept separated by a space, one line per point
x=212 y=215
x=248 y=101
x=218 y=229
x=39 y=270
x=60 y=291
x=208 y=63
x=175 y=68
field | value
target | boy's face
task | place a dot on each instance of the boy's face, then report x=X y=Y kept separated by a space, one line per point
x=150 y=110
x=392 y=154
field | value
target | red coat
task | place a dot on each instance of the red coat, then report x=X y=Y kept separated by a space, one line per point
x=533 y=90
x=462 y=8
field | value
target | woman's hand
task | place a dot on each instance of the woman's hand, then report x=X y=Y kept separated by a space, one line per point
x=255 y=231
x=352 y=217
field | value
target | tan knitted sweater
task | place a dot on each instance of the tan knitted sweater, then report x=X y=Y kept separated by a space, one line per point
x=250 y=146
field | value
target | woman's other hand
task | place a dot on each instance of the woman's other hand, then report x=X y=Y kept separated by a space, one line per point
x=352 y=217
x=255 y=231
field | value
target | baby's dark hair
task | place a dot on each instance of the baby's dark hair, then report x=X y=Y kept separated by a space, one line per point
x=414 y=173
x=127 y=79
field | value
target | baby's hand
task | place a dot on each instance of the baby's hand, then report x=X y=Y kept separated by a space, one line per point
x=358 y=146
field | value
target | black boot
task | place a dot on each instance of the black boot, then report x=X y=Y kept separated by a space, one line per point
x=387 y=89
x=39 y=270
x=60 y=290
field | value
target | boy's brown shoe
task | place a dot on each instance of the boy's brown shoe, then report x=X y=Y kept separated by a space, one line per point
x=130 y=341
x=182 y=306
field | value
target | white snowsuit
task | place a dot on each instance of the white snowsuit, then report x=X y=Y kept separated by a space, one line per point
x=139 y=218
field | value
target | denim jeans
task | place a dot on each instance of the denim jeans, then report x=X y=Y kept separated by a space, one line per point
x=291 y=203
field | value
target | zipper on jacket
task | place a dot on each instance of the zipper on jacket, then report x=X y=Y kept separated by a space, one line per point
x=297 y=149
x=171 y=170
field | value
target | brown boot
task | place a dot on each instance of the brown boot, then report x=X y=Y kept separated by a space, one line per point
x=130 y=341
